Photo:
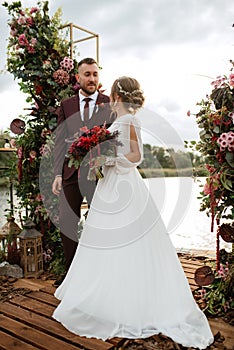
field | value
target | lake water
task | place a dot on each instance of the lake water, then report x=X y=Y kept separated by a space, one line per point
x=189 y=228
x=176 y=199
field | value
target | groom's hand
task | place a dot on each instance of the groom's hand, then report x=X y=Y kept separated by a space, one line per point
x=57 y=185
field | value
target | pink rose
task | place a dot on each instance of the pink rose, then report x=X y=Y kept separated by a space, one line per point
x=32 y=155
x=231 y=80
x=22 y=40
x=13 y=32
x=31 y=49
x=33 y=41
x=33 y=9
x=206 y=189
x=13 y=143
x=40 y=197
x=21 y=20
x=29 y=21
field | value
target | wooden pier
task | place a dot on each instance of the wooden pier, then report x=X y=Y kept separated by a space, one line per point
x=26 y=322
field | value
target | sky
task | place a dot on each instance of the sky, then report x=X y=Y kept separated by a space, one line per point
x=174 y=48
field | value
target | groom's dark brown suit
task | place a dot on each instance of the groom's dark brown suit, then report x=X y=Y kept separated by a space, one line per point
x=74 y=187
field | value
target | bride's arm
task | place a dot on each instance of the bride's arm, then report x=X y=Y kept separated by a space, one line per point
x=134 y=155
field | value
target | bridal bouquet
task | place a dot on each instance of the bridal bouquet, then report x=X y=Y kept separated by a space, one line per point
x=91 y=147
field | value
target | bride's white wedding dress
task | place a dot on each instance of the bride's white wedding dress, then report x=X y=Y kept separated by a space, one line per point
x=126 y=279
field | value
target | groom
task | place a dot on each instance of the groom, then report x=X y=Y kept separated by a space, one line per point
x=75 y=113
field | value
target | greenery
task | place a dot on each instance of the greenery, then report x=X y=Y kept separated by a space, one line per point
x=216 y=121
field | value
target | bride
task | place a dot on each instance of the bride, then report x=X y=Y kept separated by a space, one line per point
x=126 y=279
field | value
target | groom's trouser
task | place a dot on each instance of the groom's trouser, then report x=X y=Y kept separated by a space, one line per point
x=71 y=198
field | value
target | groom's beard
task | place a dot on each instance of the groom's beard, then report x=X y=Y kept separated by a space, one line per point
x=88 y=92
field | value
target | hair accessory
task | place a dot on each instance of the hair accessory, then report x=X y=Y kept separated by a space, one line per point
x=131 y=110
x=122 y=91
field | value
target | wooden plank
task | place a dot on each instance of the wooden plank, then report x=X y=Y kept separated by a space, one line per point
x=32 y=283
x=192 y=259
x=51 y=327
x=32 y=336
x=117 y=341
x=191 y=264
x=48 y=289
x=7 y=342
x=44 y=297
x=190 y=267
x=226 y=330
x=187 y=273
x=33 y=305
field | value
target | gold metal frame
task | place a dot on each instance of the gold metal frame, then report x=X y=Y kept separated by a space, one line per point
x=72 y=26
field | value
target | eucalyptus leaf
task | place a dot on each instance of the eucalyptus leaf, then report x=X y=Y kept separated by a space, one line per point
x=202 y=133
x=230 y=159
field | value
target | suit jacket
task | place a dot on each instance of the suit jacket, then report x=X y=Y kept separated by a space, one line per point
x=69 y=122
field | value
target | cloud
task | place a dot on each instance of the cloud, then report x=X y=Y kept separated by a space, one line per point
x=136 y=24
x=170 y=46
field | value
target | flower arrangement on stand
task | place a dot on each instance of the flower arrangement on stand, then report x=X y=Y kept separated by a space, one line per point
x=216 y=144
x=38 y=58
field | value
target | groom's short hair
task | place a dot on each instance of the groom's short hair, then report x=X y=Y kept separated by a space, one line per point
x=87 y=60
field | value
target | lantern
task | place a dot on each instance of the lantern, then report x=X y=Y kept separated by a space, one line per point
x=8 y=231
x=31 y=250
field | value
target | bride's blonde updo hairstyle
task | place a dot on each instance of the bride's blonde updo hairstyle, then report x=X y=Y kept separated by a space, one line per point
x=130 y=92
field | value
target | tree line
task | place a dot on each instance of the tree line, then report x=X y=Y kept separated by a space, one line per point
x=158 y=161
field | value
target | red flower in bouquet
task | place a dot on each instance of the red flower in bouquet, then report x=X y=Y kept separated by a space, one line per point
x=99 y=142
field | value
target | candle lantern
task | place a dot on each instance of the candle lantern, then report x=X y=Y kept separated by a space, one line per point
x=31 y=250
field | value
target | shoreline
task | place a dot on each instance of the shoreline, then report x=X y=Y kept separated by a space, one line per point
x=197 y=253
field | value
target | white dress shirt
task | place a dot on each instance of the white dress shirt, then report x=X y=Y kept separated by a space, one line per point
x=92 y=103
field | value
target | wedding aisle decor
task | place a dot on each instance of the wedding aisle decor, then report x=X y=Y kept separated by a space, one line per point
x=38 y=58
x=215 y=120
x=216 y=144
